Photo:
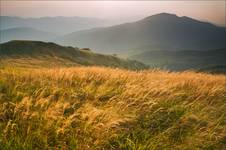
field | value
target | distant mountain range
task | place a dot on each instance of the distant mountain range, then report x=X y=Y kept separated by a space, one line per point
x=57 y=25
x=43 y=54
x=25 y=33
x=158 y=32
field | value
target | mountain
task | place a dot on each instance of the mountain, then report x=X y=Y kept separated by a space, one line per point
x=57 y=25
x=25 y=33
x=158 y=32
x=182 y=60
x=39 y=54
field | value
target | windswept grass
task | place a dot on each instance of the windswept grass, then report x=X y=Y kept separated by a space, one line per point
x=89 y=108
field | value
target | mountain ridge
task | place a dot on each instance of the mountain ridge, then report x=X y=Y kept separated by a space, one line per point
x=178 y=33
x=25 y=33
x=58 y=25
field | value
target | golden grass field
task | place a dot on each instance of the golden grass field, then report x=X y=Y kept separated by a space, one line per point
x=89 y=108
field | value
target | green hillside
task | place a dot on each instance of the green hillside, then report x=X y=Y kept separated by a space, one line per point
x=42 y=54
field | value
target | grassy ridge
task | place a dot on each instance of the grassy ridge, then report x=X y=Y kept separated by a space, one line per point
x=42 y=54
x=103 y=108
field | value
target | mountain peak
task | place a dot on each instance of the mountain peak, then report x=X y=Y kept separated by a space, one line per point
x=161 y=15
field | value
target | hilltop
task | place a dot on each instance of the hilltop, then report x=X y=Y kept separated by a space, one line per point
x=43 y=54
x=89 y=108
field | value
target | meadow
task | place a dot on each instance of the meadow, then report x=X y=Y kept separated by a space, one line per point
x=88 y=108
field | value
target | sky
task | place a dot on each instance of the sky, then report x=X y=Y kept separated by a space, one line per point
x=211 y=11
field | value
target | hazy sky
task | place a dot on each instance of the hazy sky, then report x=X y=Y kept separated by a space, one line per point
x=213 y=11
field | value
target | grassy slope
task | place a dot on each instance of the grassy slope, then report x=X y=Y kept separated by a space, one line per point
x=101 y=108
x=42 y=54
